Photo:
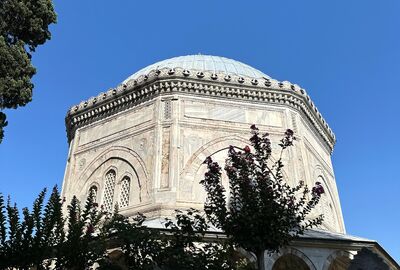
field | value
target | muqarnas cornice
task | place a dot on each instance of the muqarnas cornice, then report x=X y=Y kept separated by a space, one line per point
x=168 y=81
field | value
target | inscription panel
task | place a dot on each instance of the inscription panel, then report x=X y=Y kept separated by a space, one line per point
x=230 y=113
x=166 y=133
x=117 y=124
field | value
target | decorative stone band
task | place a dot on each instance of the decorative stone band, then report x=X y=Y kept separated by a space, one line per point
x=171 y=81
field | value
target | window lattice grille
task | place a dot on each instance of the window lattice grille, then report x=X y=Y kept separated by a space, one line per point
x=124 y=195
x=109 y=191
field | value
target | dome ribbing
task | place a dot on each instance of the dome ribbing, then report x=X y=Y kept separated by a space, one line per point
x=215 y=64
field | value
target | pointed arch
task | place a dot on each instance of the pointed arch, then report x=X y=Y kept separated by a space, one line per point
x=320 y=175
x=94 y=190
x=189 y=188
x=113 y=155
x=124 y=193
x=208 y=149
x=109 y=189
x=340 y=256
x=270 y=260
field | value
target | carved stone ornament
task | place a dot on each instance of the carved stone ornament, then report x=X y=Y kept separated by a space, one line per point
x=81 y=163
x=168 y=81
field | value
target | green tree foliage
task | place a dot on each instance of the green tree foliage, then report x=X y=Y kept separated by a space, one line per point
x=140 y=246
x=20 y=238
x=24 y=25
x=39 y=239
x=44 y=239
x=53 y=228
x=82 y=247
x=263 y=212
x=179 y=246
x=186 y=248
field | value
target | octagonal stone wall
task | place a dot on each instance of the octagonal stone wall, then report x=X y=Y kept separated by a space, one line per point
x=162 y=142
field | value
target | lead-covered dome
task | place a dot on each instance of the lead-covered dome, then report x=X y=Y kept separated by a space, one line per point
x=214 y=64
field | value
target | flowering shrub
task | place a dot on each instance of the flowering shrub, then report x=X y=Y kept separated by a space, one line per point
x=263 y=211
x=39 y=240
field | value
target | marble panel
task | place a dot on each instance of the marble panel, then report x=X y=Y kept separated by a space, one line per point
x=116 y=124
x=231 y=113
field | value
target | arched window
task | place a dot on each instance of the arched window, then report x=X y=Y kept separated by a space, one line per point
x=93 y=191
x=109 y=190
x=125 y=190
x=290 y=261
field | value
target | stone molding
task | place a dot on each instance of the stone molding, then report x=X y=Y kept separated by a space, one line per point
x=337 y=254
x=270 y=260
x=216 y=85
x=125 y=154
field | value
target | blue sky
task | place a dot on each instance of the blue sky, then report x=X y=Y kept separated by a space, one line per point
x=344 y=53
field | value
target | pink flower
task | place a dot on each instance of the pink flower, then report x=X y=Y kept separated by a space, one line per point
x=318 y=189
x=289 y=132
x=247 y=149
x=253 y=127
x=90 y=229
x=208 y=160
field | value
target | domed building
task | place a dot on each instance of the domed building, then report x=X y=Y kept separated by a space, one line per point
x=141 y=145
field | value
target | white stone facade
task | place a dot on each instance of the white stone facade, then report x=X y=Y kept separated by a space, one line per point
x=156 y=129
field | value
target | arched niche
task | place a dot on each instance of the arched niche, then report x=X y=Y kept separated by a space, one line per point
x=338 y=260
x=123 y=161
x=289 y=258
x=124 y=191
x=94 y=188
x=328 y=204
x=290 y=262
x=189 y=189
